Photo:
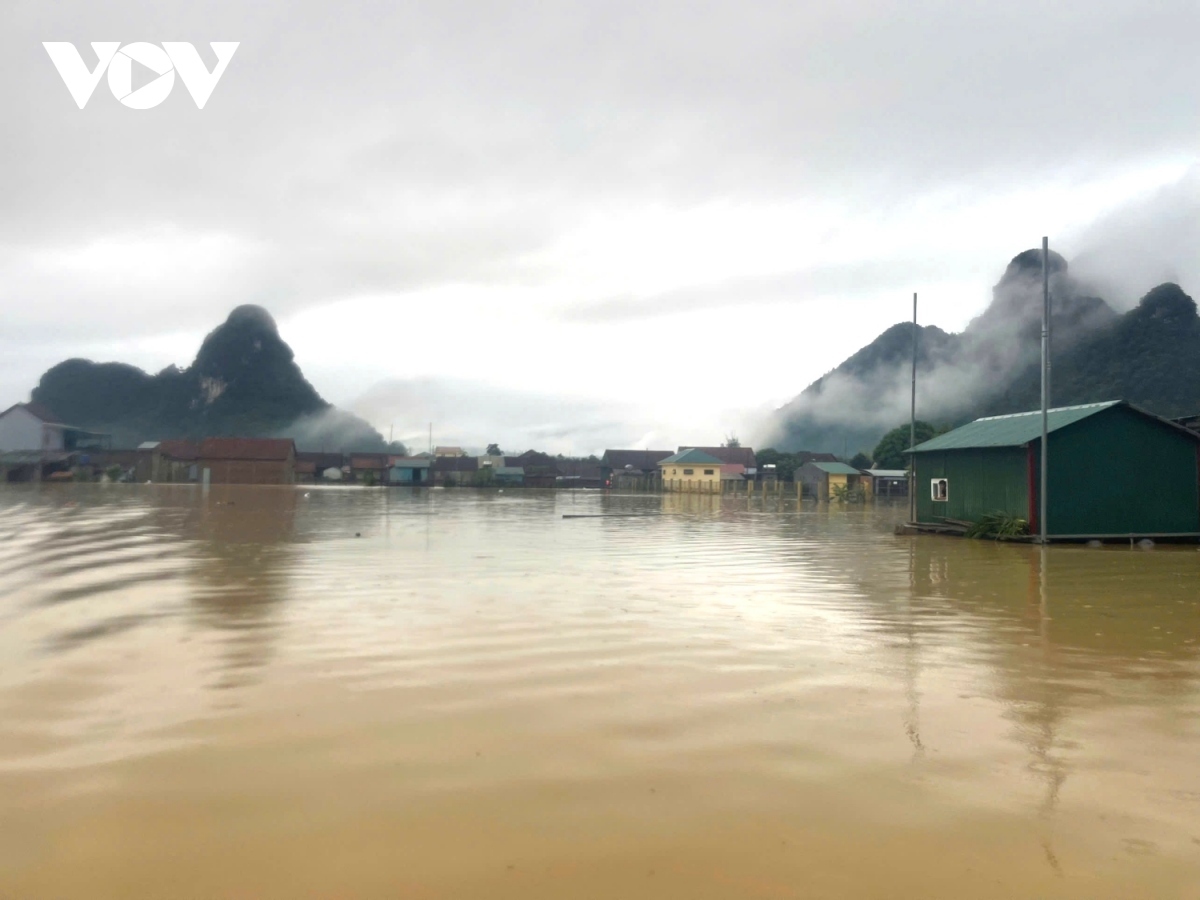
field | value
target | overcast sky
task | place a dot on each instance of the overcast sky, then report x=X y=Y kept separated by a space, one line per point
x=574 y=225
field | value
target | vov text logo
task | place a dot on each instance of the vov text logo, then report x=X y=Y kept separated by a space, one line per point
x=164 y=61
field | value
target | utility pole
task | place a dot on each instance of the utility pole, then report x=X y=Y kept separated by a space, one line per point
x=912 y=424
x=1045 y=385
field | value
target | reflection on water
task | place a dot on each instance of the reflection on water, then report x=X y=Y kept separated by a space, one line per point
x=268 y=692
x=241 y=569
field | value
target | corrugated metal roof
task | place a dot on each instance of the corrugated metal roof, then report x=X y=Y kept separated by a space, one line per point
x=836 y=468
x=20 y=457
x=1013 y=430
x=887 y=473
x=742 y=456
x=697 y=457
x=28 y=457
x=409 y=462
x=634 y=459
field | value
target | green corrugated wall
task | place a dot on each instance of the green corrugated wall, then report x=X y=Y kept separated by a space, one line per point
x=1121 y=473
x=1116 y=472
x=981 y=481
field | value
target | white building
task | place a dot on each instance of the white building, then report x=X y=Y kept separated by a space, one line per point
x=27 y=427
x=35 y=444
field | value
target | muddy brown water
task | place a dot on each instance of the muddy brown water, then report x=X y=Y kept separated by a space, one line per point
x=232 y=696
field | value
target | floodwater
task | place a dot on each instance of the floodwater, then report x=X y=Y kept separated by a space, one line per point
x=233 y=695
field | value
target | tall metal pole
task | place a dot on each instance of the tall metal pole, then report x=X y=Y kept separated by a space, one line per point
x=912 y=424
x=1045 y=385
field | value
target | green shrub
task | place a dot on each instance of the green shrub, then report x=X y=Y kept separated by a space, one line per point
x=842 y=493
x=998 y=525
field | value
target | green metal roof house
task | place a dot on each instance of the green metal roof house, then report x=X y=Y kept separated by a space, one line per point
x=820 y=479
x=690 y=457
x=1114 y=471
x=691 y=470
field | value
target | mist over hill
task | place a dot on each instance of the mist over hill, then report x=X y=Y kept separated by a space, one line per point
x=1149 y=356
x=243 y=381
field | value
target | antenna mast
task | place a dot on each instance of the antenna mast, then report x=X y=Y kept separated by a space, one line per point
x=912 y=424
x=1045 y=385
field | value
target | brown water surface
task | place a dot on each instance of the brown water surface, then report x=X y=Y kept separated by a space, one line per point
x=232 y=696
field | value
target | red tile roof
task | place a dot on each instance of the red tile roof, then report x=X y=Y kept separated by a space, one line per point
x=263 y=449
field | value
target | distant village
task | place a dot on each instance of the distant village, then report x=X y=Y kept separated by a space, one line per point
x=1115 y=470
x=36 y=446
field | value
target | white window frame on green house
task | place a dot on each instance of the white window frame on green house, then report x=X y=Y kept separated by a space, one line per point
x=942 y=496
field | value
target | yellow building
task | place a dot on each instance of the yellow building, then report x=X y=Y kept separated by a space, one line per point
x=691 y=470
x=826 y=480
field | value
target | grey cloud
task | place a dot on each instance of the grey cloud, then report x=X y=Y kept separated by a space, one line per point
x=845 y=281
x=472 y=414
x=360 y=147
x=670 y=101
x=1144 y=243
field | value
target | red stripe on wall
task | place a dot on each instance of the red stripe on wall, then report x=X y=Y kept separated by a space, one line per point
x=1034 y=526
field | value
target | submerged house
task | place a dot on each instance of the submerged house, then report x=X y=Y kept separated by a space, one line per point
x=638 y=467
x=1113 y=471
x=369 y=468
x=691 y=470
x=510 y=475
x=175 y=461
x=578 y=473
x=31 y=427
x=35 y=443
x=410 y=470
x=454 y=470
x=823 y=479
x=248 y=460
x=539 y=470
x=313 y=467
x=887 y=482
